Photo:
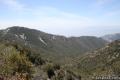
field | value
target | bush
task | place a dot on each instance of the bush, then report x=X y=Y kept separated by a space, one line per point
x=69 y=77
x=35 y=58
x=16 y=63
x=50 y=70
x=56 y=66
x=61 y=75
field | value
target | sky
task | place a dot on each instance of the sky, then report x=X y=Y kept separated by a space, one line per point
x=63 y=17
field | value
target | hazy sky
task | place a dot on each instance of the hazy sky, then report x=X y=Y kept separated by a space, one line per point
x=64 y=17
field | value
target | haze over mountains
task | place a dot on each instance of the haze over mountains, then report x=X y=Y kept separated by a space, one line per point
x=111 y=37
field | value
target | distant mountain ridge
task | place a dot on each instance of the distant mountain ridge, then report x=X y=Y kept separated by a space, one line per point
x=51 y=44
x=111 y=37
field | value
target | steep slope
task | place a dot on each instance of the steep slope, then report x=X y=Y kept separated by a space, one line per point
x=100 y=63
x=111 y=37
x=20 y=63
x=53 y=45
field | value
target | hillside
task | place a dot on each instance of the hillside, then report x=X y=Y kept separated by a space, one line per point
x=104 y=62
x=20 y=63
x=16 y=63
x=55 y=46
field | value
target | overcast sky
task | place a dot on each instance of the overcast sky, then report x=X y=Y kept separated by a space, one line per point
x=63 y=17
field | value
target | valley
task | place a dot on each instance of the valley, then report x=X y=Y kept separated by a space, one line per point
x=29 y=54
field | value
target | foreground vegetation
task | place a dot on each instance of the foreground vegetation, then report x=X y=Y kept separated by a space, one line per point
x=21 y=63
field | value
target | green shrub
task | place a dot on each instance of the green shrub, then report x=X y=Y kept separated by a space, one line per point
x=14 y=62
x=49 y=69
x=35 y=58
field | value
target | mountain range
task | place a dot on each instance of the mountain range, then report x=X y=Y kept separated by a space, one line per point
x=111 y=37
x=47 y=44
x=29 y=54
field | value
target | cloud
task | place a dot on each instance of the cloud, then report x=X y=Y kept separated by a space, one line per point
x=54 y=17
x=50 y=20
x=53 y=20
x=12 y=4
x=112 y=13
x=102 y=2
